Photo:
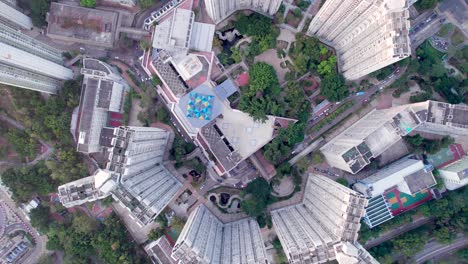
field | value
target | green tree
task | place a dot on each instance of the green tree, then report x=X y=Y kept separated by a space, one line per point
x=144 y=44
x=425 y=4
x=443 y=235
x=317 y=157
x=156 y=233
x=88 y=3
x=342 y=181
x=146 y=3
x=257 y=196
x=409 y=243
x=83 y=224
x=39 y=9
x=261 y=96
x=40 y=218
x=252 y=207
x=333 y=87
x=236 y=54
x=177 y=223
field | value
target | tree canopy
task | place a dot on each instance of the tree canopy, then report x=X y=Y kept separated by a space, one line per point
x=24 y=182
x=88 y=3
x=257 y=196
x=260 y=98
x=39 y=9
x=333 y=87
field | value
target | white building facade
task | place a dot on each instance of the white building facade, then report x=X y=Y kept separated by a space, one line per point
x=324 y=226
x=219 y=10
x=377 y=131
x=205 y=239
x=30 y=64
x=455 y=175
x=367 y=34
x=10 y=15
x=134 y=174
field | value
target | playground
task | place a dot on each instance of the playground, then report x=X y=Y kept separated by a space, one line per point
x=446 y=156
x=402 y=202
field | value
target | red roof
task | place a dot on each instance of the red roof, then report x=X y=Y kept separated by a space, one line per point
x=114 y=123
x=243 y=79
x=115 y=115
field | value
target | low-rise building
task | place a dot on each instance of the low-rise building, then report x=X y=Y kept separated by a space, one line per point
x=75 y=24
x=455 y=175
x=393 y=184
x=160 y=251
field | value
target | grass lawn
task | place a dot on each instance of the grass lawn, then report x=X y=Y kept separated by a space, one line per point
x=293 y=20
x=457 y=37
x=445 y=30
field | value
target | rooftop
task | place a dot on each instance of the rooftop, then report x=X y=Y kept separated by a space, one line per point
x=200 y=106
x=460 y=167
x=101 y=94
x=174 y=32
x=447 y=114
x=84 y=25
x=408 y=174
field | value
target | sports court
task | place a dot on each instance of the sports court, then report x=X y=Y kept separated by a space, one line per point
x=401 y=202
x=446 y=156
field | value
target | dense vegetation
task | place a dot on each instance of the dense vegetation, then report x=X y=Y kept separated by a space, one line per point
x=82 y=237
x=430 y=67
x=449 y=218
x=24 y=145
x=308 y=54
x=422 y=5
x=263 y=32
x=420 y=144
x=257 y=194
x=48 y=119
x=88 y=3
x=39 y=9
x=261 y=97
x=24 y=182
x=282 y=145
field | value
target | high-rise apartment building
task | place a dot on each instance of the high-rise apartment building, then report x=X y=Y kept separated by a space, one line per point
x=369 y=137
x=377 y=131
x=205 y=239
x=219 y=10
x=366 y=34
x=10 y=15
x=455 y=175
x=324 y=226
x=101 y=104
x=28 y=63
x=134 y=174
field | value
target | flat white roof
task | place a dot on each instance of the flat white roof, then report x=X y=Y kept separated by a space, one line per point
x=189 y=66
x=174 y=32
x=202 y=37
x=246 y=135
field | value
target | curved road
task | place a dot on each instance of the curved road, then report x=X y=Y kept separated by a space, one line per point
x=434 y=249
x=33 y=255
